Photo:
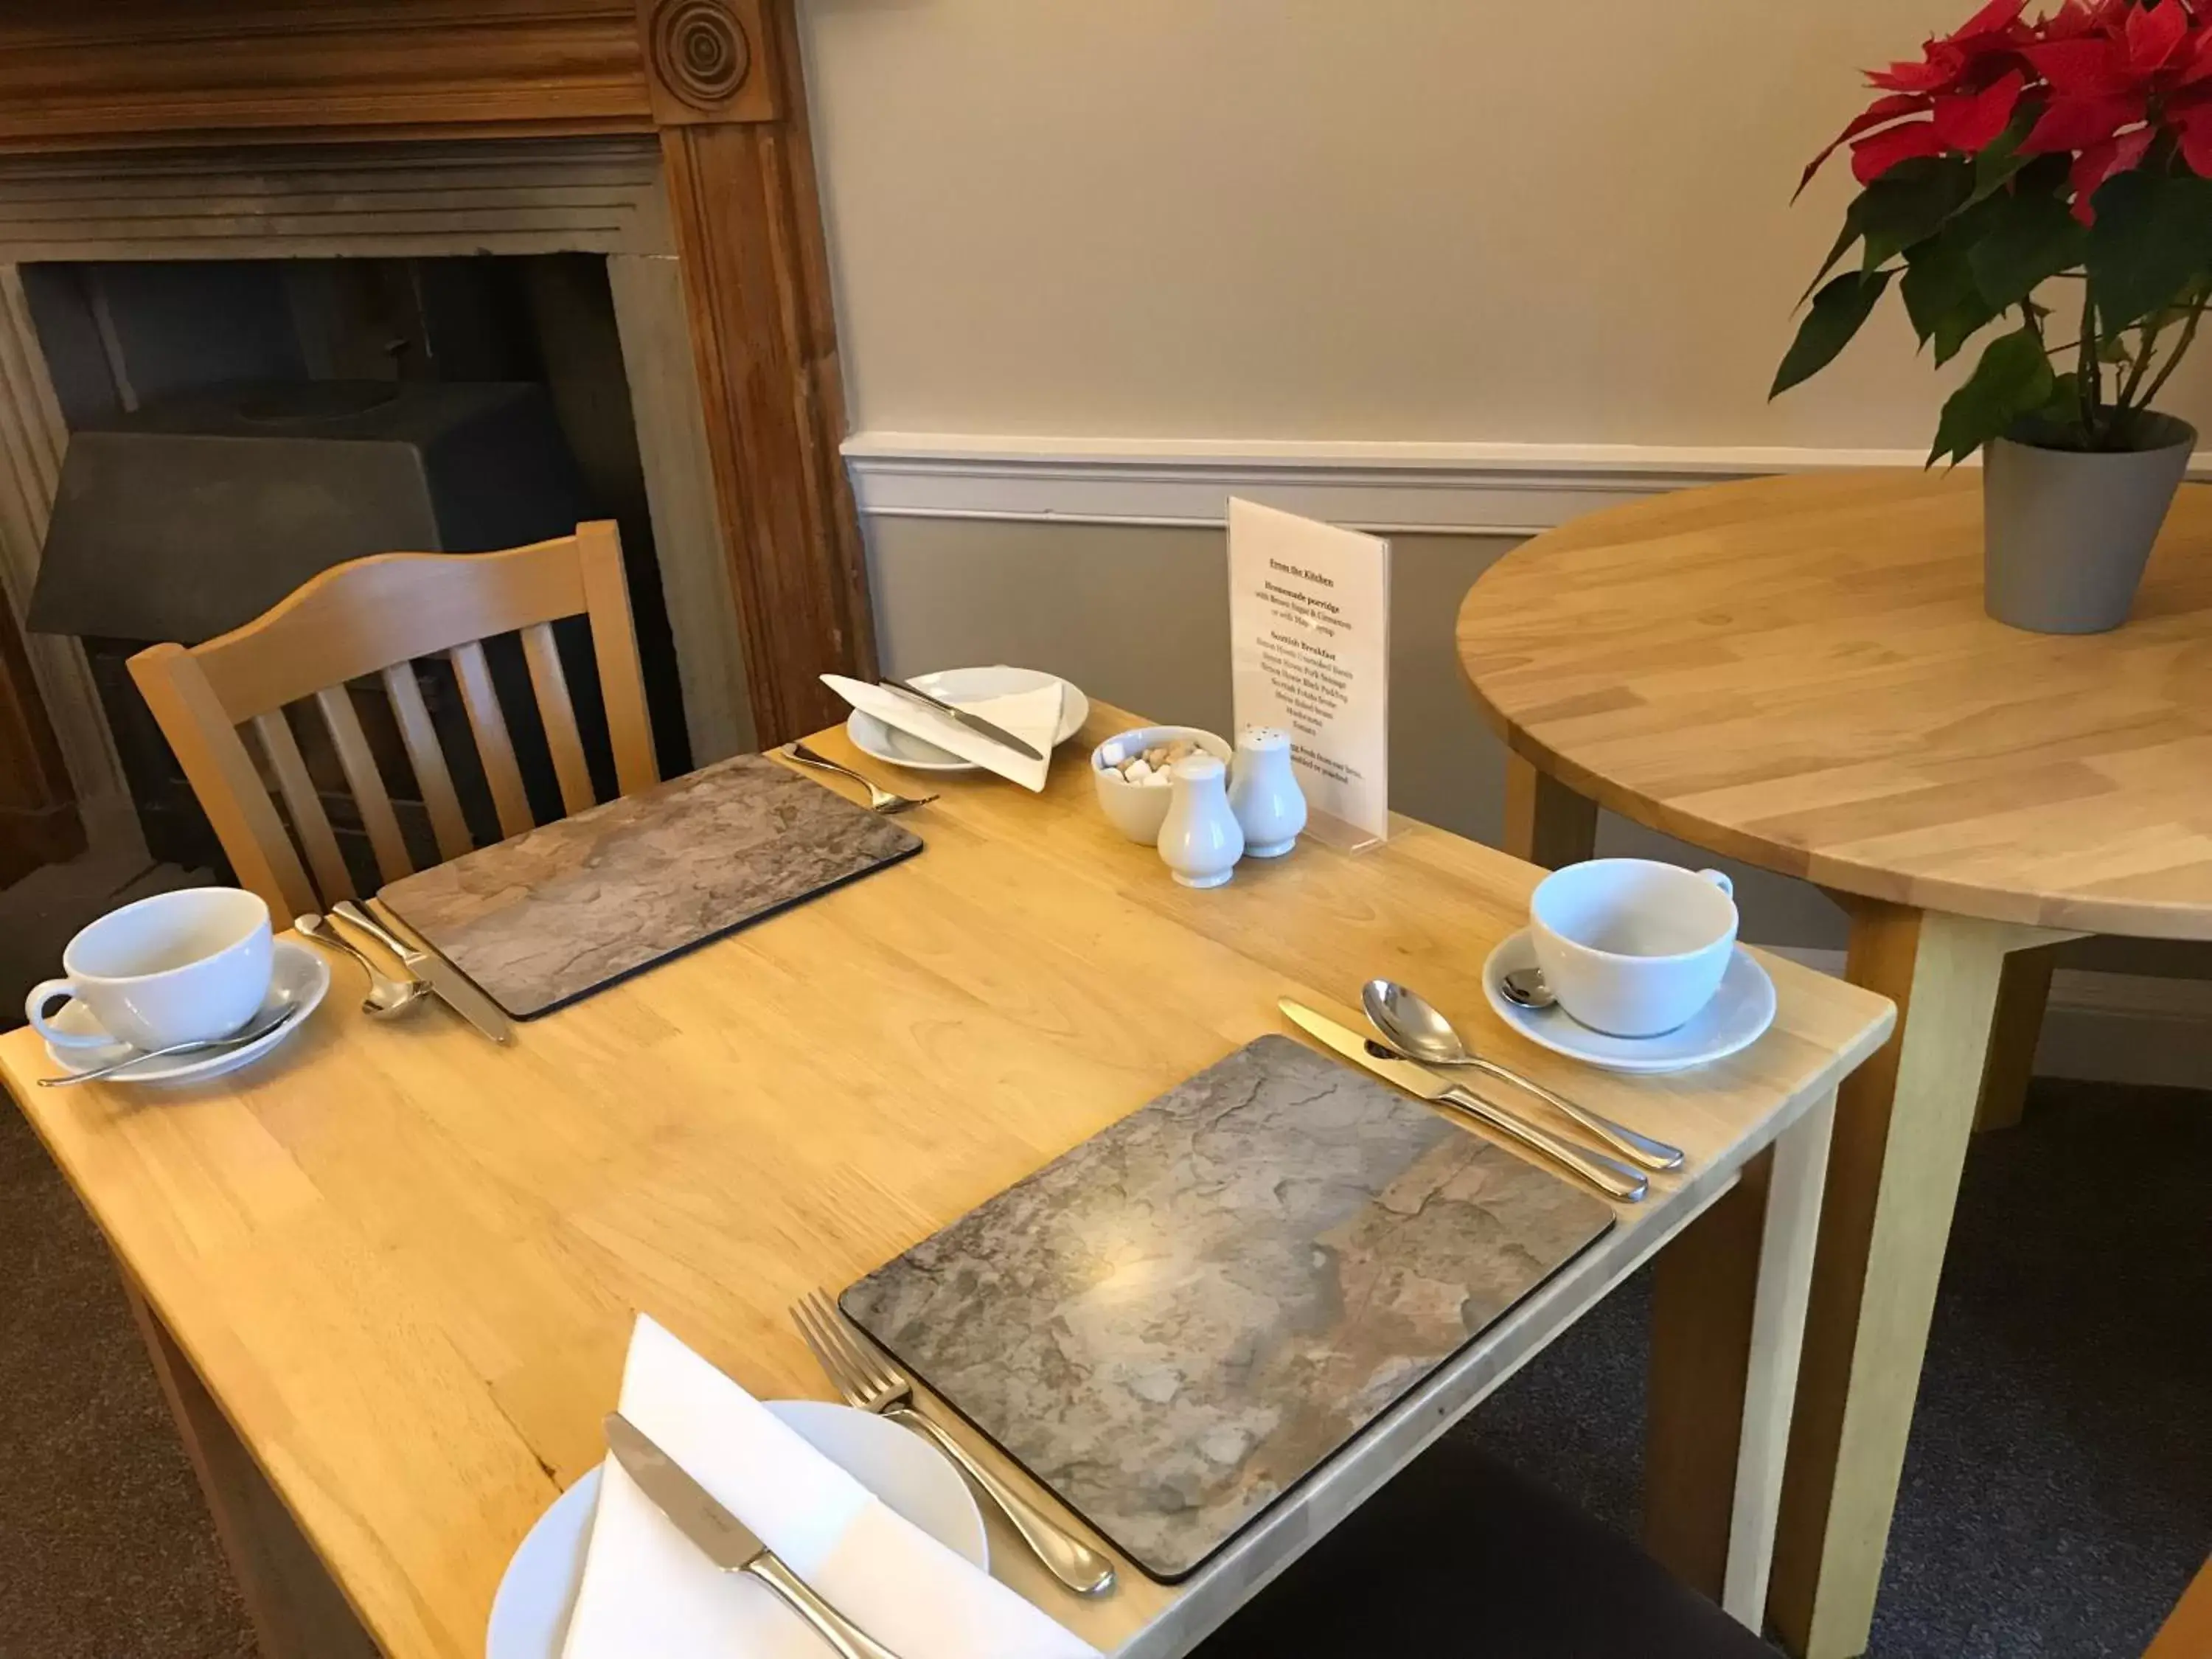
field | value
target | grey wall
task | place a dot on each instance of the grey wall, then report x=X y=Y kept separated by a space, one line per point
x=1139 y=616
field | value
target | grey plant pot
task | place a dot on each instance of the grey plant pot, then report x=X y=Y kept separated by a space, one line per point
x=2066 y=533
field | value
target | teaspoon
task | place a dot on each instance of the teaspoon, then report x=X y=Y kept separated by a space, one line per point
x=1419 y=1031
x=386 y=996
x=1525 y=988
x=273 y=1020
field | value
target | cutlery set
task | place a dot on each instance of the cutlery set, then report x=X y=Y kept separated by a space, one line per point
x=428 y=974
x=1415 y=1036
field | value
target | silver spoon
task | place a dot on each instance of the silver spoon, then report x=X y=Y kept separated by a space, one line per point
x=880 y=800
x=386 y=997
x=275 y=1019
x=1417 y=1031
x=1524 y=987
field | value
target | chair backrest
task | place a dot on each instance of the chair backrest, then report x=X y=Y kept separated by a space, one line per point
x=375 y=616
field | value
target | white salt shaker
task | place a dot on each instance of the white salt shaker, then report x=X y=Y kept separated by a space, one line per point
x=1200 y=842
x=1264 y=793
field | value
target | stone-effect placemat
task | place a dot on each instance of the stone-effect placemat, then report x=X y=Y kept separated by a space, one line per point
x=556 y=913
x=1175 y=1322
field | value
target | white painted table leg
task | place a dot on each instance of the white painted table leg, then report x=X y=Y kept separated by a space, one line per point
x=1778 y=1333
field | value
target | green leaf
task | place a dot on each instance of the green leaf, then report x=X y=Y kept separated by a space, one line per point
x=2152 y=240
x=1941 y=296
x=2001 y=159
x=1838 y=311
x=2012 y=380
x=2061 y=409
x=2026 y=240
x=1910 y=203
x=1849 y=234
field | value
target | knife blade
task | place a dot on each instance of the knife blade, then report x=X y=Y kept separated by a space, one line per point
x=725 y=1540
x=1614 y=1179
x=452 y=987
x=974 y=723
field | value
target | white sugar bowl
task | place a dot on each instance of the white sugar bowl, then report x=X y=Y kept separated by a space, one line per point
x=1138 y=809
x=1264 y=793
x=1201 y=841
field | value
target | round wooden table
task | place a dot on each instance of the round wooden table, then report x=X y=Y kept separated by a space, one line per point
x=1798 y=672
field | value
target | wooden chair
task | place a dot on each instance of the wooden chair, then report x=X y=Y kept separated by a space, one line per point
x=376 y=616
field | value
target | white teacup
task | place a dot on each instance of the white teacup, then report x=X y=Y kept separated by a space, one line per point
x=189 y=966
x=1630 y=947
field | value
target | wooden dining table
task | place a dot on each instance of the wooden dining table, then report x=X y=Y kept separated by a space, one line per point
x=1798 y=672
x=387 y=1275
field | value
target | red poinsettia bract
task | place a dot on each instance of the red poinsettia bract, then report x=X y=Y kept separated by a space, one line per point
x=2102 y=81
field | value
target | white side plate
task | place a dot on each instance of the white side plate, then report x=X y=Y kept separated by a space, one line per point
x=1736 y=1018
x=530 y=1614
x=960 y=685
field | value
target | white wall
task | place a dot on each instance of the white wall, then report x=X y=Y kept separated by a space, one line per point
x=1350 y=219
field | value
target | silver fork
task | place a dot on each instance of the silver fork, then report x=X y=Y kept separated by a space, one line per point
x=880 y=800
x=873 y=1383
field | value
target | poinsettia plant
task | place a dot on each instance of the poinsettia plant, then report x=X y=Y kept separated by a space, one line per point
x=2051 y=181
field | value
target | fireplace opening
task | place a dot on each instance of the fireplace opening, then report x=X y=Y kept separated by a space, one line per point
x=237 y=425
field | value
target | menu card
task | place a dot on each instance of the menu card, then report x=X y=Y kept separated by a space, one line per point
x=1310 y=646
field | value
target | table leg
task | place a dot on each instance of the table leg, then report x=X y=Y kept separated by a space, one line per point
x=2021 y=993
x=297 y=1610
x=2187 y=1631
x=1902 y=1122
x=1728 y=1320
x=1545 y=822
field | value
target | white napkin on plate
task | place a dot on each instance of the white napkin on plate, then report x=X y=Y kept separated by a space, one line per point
x=648 y=1594
x=1033 y=716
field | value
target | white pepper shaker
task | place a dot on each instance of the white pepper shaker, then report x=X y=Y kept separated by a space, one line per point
x=1200 y=842
x=1264 y=793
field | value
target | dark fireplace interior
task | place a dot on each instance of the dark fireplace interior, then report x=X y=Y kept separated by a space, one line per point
x=247 y=423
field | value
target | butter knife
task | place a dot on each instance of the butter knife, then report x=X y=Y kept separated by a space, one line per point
x=450 y=986
x=974 y=723
x=727 y=1541
x=1608 y=1175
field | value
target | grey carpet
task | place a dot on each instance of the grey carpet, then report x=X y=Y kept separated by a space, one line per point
x=105 y=1552
x=2058 y=1495
x=2058 y=1491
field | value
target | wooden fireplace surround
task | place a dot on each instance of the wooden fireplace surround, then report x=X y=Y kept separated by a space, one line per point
x=714 y=83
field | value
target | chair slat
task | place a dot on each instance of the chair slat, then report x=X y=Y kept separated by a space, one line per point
x=489 y=722
x=613 y=645
x=387 y=615
x=309 y=822
x=432 y=774
x=392 y=858
x=552 y=685
x=223 y=777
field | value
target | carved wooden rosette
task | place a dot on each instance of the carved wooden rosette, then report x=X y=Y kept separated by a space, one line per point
x=703 y=60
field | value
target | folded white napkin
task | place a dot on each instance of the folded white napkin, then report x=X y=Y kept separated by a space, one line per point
x=1033 y=716
x=648 y=1594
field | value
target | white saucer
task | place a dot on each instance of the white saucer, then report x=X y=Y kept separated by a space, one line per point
x=960 y=686
x=296 y=975
x=530 y=1614
x=1736 y=1018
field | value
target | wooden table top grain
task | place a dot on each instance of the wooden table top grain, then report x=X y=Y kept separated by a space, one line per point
x=1798 y=671
x=403 y=1262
